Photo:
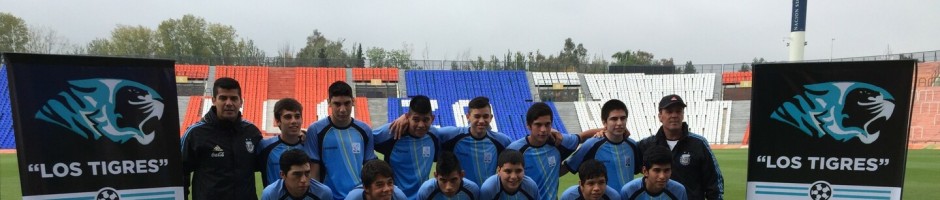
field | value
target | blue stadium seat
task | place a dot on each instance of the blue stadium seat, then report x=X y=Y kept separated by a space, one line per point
x=7 y=139
x=508 y=92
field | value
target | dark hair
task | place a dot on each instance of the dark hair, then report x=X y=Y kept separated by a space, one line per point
x=286 y=104
x=510 y=156
x=591 y=169
x=447 y=163
x=226 y=83
x=420 y=105
x=374 y=168
x=293 y=157
x=658 y=155
x=340 y=88
x=612 y=105
x=479 y=102
x=537 y=110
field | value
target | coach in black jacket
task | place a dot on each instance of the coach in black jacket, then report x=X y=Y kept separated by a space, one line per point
x=221 y=149
x=694 y=165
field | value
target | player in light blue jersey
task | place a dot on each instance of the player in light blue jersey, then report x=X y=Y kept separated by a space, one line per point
x=295 y=182
x=449 y=182
x=377 y=183
x=288 y=117
x=542 y=154
x=412 y=153
x=655 y=184
x=510 y=182
x=339 y=145
x=477 y=146
x=615 y=150
x=592 y=184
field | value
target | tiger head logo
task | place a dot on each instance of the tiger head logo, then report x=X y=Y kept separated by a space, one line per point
x=119 y=110
x=842 y=110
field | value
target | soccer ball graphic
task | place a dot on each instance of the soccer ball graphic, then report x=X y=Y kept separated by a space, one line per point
x=107 y=194
x=820 y=191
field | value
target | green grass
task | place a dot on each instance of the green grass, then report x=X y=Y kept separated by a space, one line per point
x=920 y=181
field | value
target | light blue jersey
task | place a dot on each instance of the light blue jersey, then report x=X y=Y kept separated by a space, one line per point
x=271 y=150
x=341 y=152
x=622 y=160
x=276 y=191
x=543 y=163
x=431 y=191
x=412 y=157
x=574 y=193
x=636 y=190
x=493 y=190
x=477 y=155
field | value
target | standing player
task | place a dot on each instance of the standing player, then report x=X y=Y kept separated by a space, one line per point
x=592 y=184
x=510 y=182
x=542 y=156
x=476 y=145
x=377 y=183
x=413 y=153
x=449 y=181
x=295 y=182
x=220 y=149
x=693 y=164
x=339 y=144
x=655 y=184
x=288 y=118
x=615 y=150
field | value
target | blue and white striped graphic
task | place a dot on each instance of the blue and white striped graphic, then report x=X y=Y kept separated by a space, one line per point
x=163 y=193
x=773 y=191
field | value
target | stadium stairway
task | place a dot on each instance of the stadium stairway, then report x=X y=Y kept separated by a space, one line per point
x=740 y=117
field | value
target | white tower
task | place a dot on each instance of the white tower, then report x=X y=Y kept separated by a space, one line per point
x=798 y=30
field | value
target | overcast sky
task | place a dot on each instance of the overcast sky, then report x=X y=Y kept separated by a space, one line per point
x=705 y=32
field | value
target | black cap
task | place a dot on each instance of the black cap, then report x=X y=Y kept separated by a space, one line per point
x=670 y=100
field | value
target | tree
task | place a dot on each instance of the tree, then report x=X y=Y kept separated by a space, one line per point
x=360 y=61
x=185 y=37
x=126 y=41
x=14 y=35
x=47 y=41
x=332 y=51
x=689 y=68
x=376 y=57
x=639 y=57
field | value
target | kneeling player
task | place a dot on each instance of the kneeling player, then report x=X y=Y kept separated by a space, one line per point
x=449 y=181
x=377 y=183
x=510 y=181
x=593 y=184
x=295 y=182
x=655 y=184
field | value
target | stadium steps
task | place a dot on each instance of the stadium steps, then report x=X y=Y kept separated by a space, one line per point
x=182 y=102
x=570 y=119
x=740 y=116
x=378 y=111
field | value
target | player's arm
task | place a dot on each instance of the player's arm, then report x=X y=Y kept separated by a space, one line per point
x=189 y=160
x=315 y=171
x=398 y=126
x=712 y=179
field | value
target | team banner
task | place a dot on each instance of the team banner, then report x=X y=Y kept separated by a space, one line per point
x=798 y=18
x=829 y=130
x=95 y=127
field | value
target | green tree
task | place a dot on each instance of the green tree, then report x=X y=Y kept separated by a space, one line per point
x=689 y=68
x=332 y=50
x=184 y=38
x=376 y=57
x=360 y=61
x=126 y=40
x=14 y=35
x=639 y=57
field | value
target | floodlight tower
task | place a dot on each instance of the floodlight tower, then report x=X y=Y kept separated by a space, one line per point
x=798 y=30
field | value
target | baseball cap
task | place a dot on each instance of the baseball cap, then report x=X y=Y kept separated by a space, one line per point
x=670 y=100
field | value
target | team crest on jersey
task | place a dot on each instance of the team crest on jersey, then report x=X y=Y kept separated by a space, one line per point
x=426 y=151
x=356 y=147
x=551 y=161
x=685 y=159
x=250 y=146
x=487 y=157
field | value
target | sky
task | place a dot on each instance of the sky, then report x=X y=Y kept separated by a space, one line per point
x=704 y=32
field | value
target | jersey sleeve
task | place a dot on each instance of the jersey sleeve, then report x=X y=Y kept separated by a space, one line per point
x=426 y=188
x=370 y=146
x=529 y=185
x=490 y=188
x=574 y=162
x=312 y=142
x=399 y=195
x=612 y=193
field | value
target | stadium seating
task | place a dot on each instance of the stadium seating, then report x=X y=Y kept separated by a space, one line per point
x=367 y=74
x=310 y=88
x=194 y=112
x=451 y=91
x=551 y=78
x=254 y=83
x=7 y=139
x=734 y=78
x=641 y=93
x=200 y=72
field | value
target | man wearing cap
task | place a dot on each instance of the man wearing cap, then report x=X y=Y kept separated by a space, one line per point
x=694 y=165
